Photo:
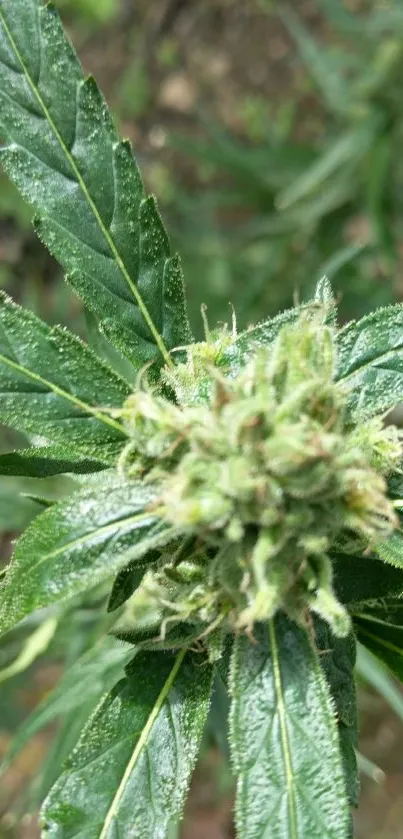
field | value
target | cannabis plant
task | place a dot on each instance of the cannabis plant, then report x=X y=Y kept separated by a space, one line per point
x=236 y=501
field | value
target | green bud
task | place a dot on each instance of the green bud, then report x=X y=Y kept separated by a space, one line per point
x=265 y=475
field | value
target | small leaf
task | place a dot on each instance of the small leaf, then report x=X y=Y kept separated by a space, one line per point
x=53 y=385
x=92 y=212
x=370 y=362
x=75 y=545
x=262 y=335
x=45 y=461
x=284 y=739
x=337 y=658
x=33 y=647
x=129 y=774
x=391 y=551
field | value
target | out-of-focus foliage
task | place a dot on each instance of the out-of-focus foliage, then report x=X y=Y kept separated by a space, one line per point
x=322 y=193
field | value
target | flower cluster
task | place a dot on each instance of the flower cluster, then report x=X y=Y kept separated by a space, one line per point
x=263 y=478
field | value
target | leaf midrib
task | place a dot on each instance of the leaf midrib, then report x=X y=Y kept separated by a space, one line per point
x=285 y=741
x=142 y=743
x=372 y=363
x=80 y=180
x=100 y=531
x=87 y=409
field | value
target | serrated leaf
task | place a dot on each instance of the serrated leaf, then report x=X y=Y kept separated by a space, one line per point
x=370 y=361
x=53 y=385
x=65 y=157
x=284 y=740
x=391 y=551
x=94 y=673
x=131 y=769
x=75 y=545
x=45 y=461
x=337 y=658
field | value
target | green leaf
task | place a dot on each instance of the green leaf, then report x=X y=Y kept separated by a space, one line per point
x=95 y=672
x=385 y=640
x=45 y=461
x=257 y=336
x=324 y=293
x=264 y=333
x=391 y=551
x=33 y=647
x=66 y=159
x=53 y=385
x=77 y=544
x=370 y=361
x=337 y=658
x=128 y=579
x=284 y=739
x=373 y=672
x=349 y=147
x=321 y=63
x=130 y=771
x=361 y=578
x=16 y=511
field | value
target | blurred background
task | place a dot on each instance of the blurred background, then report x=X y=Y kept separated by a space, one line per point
x=271 y=132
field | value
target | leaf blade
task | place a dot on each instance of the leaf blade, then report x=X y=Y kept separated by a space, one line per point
x=67 y=161
x=155 y=717
x=46 y=461
x=270 y=682
x=337 y=659
x=52 y=384
x=370 y=361
x=78 y=543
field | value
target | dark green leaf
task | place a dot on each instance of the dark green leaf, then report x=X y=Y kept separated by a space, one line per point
x=77 y=544
x=66 y=159
x=53 y=385
x=284 y=740
x=385 y=640
x=95 y=672
x=45 y=461
x=337 y=658
x=128 y=579
x=370 y=361
x=130 y=771
x=361 y=578
x=391 y=551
